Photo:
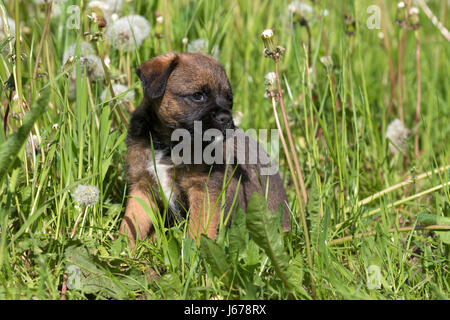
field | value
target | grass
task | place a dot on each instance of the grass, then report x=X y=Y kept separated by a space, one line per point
x=359 y=213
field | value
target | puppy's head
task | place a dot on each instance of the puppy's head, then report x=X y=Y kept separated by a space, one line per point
x=185 y=87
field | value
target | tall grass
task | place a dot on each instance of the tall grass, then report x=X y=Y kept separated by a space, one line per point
x=359 y=213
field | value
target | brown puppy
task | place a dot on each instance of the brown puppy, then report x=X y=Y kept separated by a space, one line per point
x=181 y=91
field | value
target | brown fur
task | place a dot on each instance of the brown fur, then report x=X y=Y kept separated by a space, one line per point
x=168 y=81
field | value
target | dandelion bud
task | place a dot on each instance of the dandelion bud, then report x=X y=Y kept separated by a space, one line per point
x=414 y=21
x=270 y=80
x=401 y=14
x=327 y=61
x=267 y=38
x=159 y=25
x=350 y=24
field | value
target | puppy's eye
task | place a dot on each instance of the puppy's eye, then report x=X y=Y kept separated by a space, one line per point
x=198 y=96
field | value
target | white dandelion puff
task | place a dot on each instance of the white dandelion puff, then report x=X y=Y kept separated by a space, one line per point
x=86 y=195
x=57 y=6
x=85 y=49
x=109 y=8
x=118 y=90
x=301 y=10
x=270 y=78
x=128 y=33
x=202 y=46
x=237 y=118
x=12 y=28
x=88 y=60
x=397 y=134
x=327 y=61
x=94 y=67
x=28 y=146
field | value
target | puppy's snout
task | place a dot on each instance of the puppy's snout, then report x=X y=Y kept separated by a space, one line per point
x=223 y=118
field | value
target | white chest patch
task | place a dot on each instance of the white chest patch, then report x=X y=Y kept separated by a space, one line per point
x=160 y=171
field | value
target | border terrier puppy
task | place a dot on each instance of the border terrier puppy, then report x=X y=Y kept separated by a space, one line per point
x=180 y=91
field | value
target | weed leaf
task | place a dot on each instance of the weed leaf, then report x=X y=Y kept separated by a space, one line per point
x=11 y=147
x=264 y=229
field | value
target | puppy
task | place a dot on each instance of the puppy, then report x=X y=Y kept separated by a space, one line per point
x=181 y=92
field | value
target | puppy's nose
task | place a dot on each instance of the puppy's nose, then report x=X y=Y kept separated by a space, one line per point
x=223 y=118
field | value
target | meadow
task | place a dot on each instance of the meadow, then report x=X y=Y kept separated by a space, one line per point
x=361 y=87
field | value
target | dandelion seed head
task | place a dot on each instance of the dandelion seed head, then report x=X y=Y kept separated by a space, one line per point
x=401 y=5
x=327 y=61
x=12 y=27
x=57 y=6
x=413 y=10
x=128 y=33
x=202 y=46
x=300 y=10
x=398 y=134
x=86 y=195
x=300 y=7
x=267 y=34
x=118 y=89
x=237 y=118
x=94 y=67
x=85 y=49
x=270 y=78
x=325 y=13
x=109 y=8
x=28 y=146
x=88 y=59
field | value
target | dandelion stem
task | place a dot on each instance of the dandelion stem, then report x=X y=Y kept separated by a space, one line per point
x=44 y=34
x=434 y=20
x=296 y=174
x=77 y=221
x=419 y=97
x=401 y=51
x=398 y=186
x=399 y=202
x=392 y=230
x=289 y=136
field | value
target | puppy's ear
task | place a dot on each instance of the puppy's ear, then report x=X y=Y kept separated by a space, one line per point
x=155 y=72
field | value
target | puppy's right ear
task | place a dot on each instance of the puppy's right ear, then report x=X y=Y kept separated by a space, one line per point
x=155 y=72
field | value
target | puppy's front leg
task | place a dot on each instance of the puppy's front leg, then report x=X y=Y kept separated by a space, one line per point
x=204 y=214
x=136 y=221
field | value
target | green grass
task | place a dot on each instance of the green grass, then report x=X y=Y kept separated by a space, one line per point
x=338 y=120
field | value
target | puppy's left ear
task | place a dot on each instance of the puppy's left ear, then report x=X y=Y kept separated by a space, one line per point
x=155 y=72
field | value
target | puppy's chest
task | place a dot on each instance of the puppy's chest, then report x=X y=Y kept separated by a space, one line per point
x=162 y=171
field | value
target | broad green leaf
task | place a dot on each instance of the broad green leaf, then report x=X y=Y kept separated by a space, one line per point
x=11 y=147
x=85 y=270
x=238 y=235
x=173 y=250
x=171 y=286
x=216 y=258
x=295 y=271
x=264 y=229
x=313 y=208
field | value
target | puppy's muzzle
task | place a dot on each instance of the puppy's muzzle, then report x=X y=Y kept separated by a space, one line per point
x=224 y=119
